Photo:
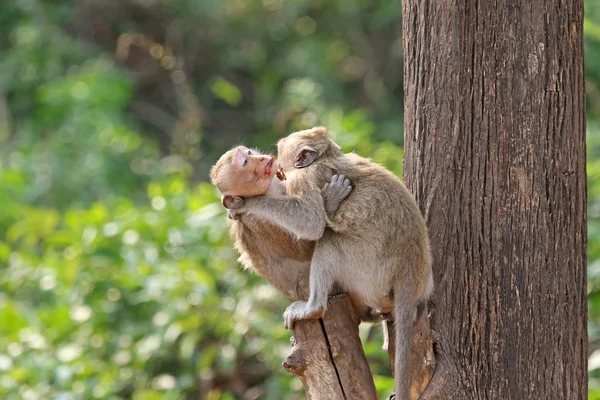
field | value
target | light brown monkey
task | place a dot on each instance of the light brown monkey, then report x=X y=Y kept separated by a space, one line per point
x=264 y=247
x=376 y=246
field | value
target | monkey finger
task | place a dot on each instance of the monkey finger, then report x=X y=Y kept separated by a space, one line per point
x=293 y=313
x=334 y=179
x=237 y=202
x=288 y=322
x=326 y=186
x=346 y=182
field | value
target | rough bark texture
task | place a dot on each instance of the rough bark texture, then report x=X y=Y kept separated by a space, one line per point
x=495 y=154
x=328 y=357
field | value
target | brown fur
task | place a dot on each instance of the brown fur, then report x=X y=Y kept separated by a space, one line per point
x=274 y=254
x=376 y=246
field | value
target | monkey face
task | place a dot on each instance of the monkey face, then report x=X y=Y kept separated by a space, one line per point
x=251 y=173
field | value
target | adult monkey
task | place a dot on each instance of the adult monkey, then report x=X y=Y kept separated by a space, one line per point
x=377 y=247
x=272 y=252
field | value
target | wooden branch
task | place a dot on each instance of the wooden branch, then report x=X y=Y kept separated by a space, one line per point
x=328 y=357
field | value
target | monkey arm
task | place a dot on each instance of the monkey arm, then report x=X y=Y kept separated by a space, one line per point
x=302 y=216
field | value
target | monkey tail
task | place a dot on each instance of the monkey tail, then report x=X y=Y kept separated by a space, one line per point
x=403 y=323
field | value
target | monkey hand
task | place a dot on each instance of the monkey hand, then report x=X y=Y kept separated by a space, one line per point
x=234 y=205
x=232 y=202
x=335 y=192
x=301 y=310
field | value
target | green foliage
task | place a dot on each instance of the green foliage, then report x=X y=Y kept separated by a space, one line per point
x=591 y=30
x=226 y=91
x=593 y=169
x=119 y=298
x=117 y=275
x=592 y=53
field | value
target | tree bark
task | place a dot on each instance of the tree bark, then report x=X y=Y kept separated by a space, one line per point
x=328 y=357
x=495 y=154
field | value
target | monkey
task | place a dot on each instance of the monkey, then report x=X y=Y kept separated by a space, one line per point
x=265 y=248
x=271 y=252
x=375 y=246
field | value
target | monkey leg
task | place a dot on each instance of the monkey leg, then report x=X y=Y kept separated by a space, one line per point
x=321 y=283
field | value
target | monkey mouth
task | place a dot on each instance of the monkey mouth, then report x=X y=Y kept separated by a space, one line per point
x=269 y=165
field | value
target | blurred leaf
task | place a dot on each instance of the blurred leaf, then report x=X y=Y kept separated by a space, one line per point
x=226 y=91
x=591 y=29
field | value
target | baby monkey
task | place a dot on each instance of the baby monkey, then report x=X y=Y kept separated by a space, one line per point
x=272 y=252
x=376 y=246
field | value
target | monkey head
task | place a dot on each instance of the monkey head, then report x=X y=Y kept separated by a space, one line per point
x=301 y=149
x=243 y=172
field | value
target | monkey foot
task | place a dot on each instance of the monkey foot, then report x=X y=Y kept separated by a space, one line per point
x=300 y=310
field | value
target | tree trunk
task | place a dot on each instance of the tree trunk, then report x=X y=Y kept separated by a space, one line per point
x=328 y=356
x=495 y=154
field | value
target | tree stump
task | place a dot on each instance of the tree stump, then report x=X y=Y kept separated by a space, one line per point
x=328 y=357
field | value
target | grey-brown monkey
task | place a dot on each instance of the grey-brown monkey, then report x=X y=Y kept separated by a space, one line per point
x=376 y=246
x=264 y=247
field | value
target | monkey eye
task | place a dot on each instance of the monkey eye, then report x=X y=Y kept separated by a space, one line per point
x=249 y=152
x=244 y=163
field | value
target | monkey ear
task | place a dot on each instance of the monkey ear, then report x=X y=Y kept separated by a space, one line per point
x=232 y=202
x=305 y=157
x=320 y=130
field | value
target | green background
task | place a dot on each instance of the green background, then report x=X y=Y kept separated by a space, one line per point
x=117 y=275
